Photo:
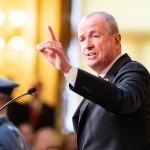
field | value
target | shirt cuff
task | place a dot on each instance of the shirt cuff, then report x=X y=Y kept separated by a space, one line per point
x=72 y=75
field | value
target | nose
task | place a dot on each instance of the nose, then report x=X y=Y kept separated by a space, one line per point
x=89 y=44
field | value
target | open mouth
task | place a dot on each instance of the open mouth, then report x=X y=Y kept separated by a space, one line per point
x=91 y=55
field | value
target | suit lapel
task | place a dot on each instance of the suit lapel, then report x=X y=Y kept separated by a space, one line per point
x=109 y=78
x=124 y=59
x=83 y=107
x=79 y=114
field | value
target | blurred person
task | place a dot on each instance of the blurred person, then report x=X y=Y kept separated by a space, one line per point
x=10 y=136
x=47 y=138
x=115 y=111
x=35 y=110
x=70 y=142
x=40 y=113
x=27 y=130
x=18 y=113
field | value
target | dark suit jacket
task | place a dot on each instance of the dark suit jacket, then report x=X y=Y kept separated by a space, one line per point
x=115 y=113
x=10 y=136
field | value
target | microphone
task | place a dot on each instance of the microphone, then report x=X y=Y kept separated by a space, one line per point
x=30 y=91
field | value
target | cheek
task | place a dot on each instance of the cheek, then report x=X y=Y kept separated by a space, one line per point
x=102 y=54
x=82 y=52
x=82 y=49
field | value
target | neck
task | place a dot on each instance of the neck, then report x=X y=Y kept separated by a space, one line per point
x=105 y=69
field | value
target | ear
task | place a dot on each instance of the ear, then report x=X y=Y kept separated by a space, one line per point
x=117 y=42
x=117 y=39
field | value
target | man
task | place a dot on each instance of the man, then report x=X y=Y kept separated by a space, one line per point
x=10 y=137
x=115 y=113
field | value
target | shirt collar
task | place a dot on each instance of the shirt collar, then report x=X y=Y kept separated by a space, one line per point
x=109 y=66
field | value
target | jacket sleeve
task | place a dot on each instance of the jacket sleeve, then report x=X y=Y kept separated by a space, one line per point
x=128 y=91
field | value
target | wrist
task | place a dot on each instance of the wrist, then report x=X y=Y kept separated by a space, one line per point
x=71 y=75
x=67 y=69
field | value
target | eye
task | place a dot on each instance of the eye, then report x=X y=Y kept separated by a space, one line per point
x=81 y=39
x=95 y=36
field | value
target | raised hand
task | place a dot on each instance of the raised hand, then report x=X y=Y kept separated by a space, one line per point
x=54 y=52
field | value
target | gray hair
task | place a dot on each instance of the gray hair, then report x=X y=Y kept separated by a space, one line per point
x=110 y=21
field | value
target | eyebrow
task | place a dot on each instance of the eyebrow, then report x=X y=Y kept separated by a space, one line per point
x=90 y=33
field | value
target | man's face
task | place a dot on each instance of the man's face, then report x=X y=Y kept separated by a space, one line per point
x=98 y=47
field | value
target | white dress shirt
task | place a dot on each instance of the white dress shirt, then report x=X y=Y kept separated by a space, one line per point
x=72 y=74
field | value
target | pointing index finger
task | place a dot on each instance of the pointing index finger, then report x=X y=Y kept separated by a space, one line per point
x=52 y=35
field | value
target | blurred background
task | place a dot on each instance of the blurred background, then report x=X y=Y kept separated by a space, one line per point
x=23 y=24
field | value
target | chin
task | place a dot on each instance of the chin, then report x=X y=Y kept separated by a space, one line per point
x=90 y=65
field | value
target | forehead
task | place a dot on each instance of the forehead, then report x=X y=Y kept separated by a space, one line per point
x=95 y=21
